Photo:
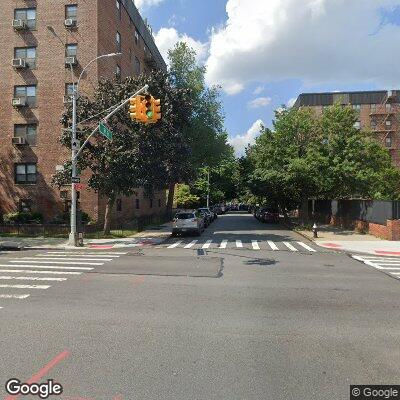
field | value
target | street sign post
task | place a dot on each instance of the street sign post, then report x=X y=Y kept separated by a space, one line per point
x=105 y=131
x=75 y=179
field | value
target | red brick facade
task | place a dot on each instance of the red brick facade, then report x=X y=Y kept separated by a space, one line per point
x=390 y=231
x=98 y=22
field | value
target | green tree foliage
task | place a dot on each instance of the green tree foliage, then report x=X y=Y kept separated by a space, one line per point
x=184 y=198
x=306 y=156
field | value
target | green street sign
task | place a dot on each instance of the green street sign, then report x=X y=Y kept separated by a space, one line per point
x=105 y=131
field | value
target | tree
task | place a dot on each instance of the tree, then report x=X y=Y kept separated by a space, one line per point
x=139 y=155
x=184 y=198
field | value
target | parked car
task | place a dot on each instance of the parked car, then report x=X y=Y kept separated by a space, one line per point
x=270 y=215
x=188 y=222
x=216 y=209
x=223 y=209
x=206 y=217
x=208 y=212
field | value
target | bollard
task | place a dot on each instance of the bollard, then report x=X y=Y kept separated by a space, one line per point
x=80 y=239
x=315 y=230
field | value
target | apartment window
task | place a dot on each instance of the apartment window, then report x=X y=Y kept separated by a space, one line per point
x=373 y=107
x=357 y=124
x=388 y=123
x=25 y=173
x=388 y=107
x=388 y=142
x=357 y=107
x=25 y=205
x=28 y=15
x=137 y=66
x=26 y=131
x=159 y=202
x=118 y=42
x=26 y=92
x=373 y=124
x=136 y=36
x=71 y=50
x=137 y=204
x=118 y=72
x=119 y=205
x=151 y=203
x=71 y=12
x=28 y=54
x=118 y=5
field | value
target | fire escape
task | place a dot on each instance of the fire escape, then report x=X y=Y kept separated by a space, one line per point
x=383 y=119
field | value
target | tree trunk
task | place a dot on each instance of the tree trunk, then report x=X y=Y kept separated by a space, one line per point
x=170 y=201
x=107 y=216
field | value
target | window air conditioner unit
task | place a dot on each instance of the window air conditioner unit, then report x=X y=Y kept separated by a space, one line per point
x=67 y=99
x=19 y=102
x=69 y=23
x=19 y=24
x=19 y=63
x=70 y=61
x=18 y=140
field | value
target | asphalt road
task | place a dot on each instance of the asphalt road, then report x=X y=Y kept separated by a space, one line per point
x=200 y=323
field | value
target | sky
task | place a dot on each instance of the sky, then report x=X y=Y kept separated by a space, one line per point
x=264 y=53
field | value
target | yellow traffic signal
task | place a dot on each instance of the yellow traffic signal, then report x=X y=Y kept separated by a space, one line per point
x=148 y=108
x=156 y=105
x=136 y=112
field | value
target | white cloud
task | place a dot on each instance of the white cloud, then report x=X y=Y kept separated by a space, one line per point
x=291 y=102
x=166 y=38
x=240 y=142
x=146 y=3
x=259 y=89
x=317 y=41
x=259 y=102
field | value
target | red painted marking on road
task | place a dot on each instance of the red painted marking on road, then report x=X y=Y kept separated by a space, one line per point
x=392 y=253
x=138 y=279
x=334 y=245
x=146 y=241
x=101 y=246
x=44 y=371
x=119 y=397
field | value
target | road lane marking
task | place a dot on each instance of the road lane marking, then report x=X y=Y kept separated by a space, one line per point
x=29 y=271
x=75 y=255
x=272 y=245
x=306 y=246
x=289 y=246
x=387 y=268
x=223 y=244
x=31 y=278
x=207 y=244
x=92 y=252
x=65 y=259
x=176 y=244
x=239 y=243
x=42 y=287
x=191 y=244
x=14 y=296
x=56 y=262
x=45 y=266
x=255 y=245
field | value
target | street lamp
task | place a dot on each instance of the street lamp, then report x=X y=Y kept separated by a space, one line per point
x=75 y=95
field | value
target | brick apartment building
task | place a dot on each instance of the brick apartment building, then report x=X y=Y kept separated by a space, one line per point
x=39 y=40
x=378 y=112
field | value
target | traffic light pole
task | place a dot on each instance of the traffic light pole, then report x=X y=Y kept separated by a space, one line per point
x=73 y=238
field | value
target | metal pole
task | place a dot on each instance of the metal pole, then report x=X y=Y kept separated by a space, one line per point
x=208 y=188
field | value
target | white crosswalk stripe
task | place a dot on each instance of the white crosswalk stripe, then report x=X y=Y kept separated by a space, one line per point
x=385 y=264
x=306 y=246
x=272 y=245
x=239 y=243
x=255 y=245
x=223 y=244
x=207 y=244
x=176 y=244
x=289 y=246
x=49 y=267
x=191 y=244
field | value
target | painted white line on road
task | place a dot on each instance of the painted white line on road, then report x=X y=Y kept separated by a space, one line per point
x=30 y=278
x=176 y=244
x=306 y=246
x=289 y=246
x=29 y=271
x=387 y=268
x=41 y=287
x=76 y=255
x=92 y=252
x=239 y=243
x=65 y=259
x=272 y=245
x=55 y=262
x=223 y=244
x=14 y=296
x=45 y=266
x=255 y=245
x=191 y=244
x=207 y=244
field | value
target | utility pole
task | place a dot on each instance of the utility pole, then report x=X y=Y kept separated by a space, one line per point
x=208 y=187
x=73 y=237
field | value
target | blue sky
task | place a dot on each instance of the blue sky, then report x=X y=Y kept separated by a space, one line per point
x=266 y=52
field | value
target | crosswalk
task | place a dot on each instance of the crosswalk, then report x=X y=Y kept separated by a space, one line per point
x=390 y=265
x=239 y=244
x=22 y=276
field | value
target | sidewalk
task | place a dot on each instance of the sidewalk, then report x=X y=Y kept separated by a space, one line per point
x=152 y=236
x=340 y=239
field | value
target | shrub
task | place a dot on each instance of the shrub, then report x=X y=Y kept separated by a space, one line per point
x=23 y=217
